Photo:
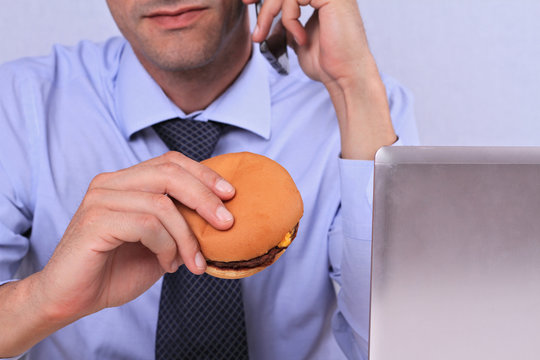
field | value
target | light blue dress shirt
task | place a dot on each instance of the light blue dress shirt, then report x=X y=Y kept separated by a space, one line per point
x=85 y=110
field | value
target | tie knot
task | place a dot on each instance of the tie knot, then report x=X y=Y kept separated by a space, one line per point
x=193 y=138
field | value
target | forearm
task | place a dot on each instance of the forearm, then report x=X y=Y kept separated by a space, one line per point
x=363 y=113
x=23 y=317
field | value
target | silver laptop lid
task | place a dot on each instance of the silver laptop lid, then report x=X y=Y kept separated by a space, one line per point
x=456 y=254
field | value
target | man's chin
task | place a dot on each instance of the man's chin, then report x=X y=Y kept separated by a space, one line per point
x=178 y=55
x=183 y=62
x=184 y=49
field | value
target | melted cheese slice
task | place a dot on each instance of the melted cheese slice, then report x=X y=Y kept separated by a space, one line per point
x=285 y=242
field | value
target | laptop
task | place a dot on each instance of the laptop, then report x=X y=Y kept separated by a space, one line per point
x=456 y=254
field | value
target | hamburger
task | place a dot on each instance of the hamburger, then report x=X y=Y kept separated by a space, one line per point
x=267 y=208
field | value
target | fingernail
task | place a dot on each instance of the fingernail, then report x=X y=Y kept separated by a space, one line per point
x=224 y=187
x=223 y=214
x=256 y=30
x=199 y=261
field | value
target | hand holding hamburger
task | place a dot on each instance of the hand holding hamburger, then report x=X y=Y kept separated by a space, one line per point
x=267 y=208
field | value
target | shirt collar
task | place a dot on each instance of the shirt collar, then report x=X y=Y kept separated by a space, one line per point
x=141 y=103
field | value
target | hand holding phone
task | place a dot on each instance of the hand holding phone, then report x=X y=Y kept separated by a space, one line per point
x=274 y=47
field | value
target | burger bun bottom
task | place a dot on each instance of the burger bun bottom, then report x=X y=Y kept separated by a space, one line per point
x=238 y=273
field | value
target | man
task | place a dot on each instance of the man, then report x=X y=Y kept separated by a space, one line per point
x=86 y=218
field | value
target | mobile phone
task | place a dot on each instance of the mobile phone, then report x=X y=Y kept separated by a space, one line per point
x=274 y=47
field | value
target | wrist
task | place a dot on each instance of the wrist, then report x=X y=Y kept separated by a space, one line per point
x=22 y=311
x=360 y=84
x=47 y=312
x=360 y=74
x=363 y=115
x=54 y=310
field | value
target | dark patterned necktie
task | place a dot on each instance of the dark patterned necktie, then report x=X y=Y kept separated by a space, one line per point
x=200 y=317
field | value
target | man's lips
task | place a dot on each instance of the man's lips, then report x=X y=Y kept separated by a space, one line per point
x=178 y=18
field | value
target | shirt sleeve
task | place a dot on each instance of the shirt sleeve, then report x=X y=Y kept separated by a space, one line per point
x=350 y=236
x=13 y=223
x=15 y=174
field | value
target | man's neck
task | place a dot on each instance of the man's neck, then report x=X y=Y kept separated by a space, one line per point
x=195 y=89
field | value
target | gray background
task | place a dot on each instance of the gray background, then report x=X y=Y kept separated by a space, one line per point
x=473 y=66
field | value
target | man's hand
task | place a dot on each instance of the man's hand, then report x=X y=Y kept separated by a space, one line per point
x=126 y=233
x=333 y=49
x=334 y=56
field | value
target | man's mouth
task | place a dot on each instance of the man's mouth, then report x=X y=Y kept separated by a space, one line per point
x=176 y=18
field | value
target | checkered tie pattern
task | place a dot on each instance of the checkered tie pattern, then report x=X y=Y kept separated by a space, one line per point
x=200 y=317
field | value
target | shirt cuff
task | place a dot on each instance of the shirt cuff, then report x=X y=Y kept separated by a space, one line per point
x=356 y=197
x=2 y=282
x=14 y=358
x=398 y=142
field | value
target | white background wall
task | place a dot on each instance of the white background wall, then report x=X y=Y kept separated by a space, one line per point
x=473 y=66
x=30 y=27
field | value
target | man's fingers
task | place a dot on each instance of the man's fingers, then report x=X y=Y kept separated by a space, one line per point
x=174 y=180
x=290 y=15
x=162 y=208
x=189 y=249
x=177 y=182
x=203 y=173
x=290 y=10
x=115 y=228
x=207 y=176
x=269 y=11
x=145 y=188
